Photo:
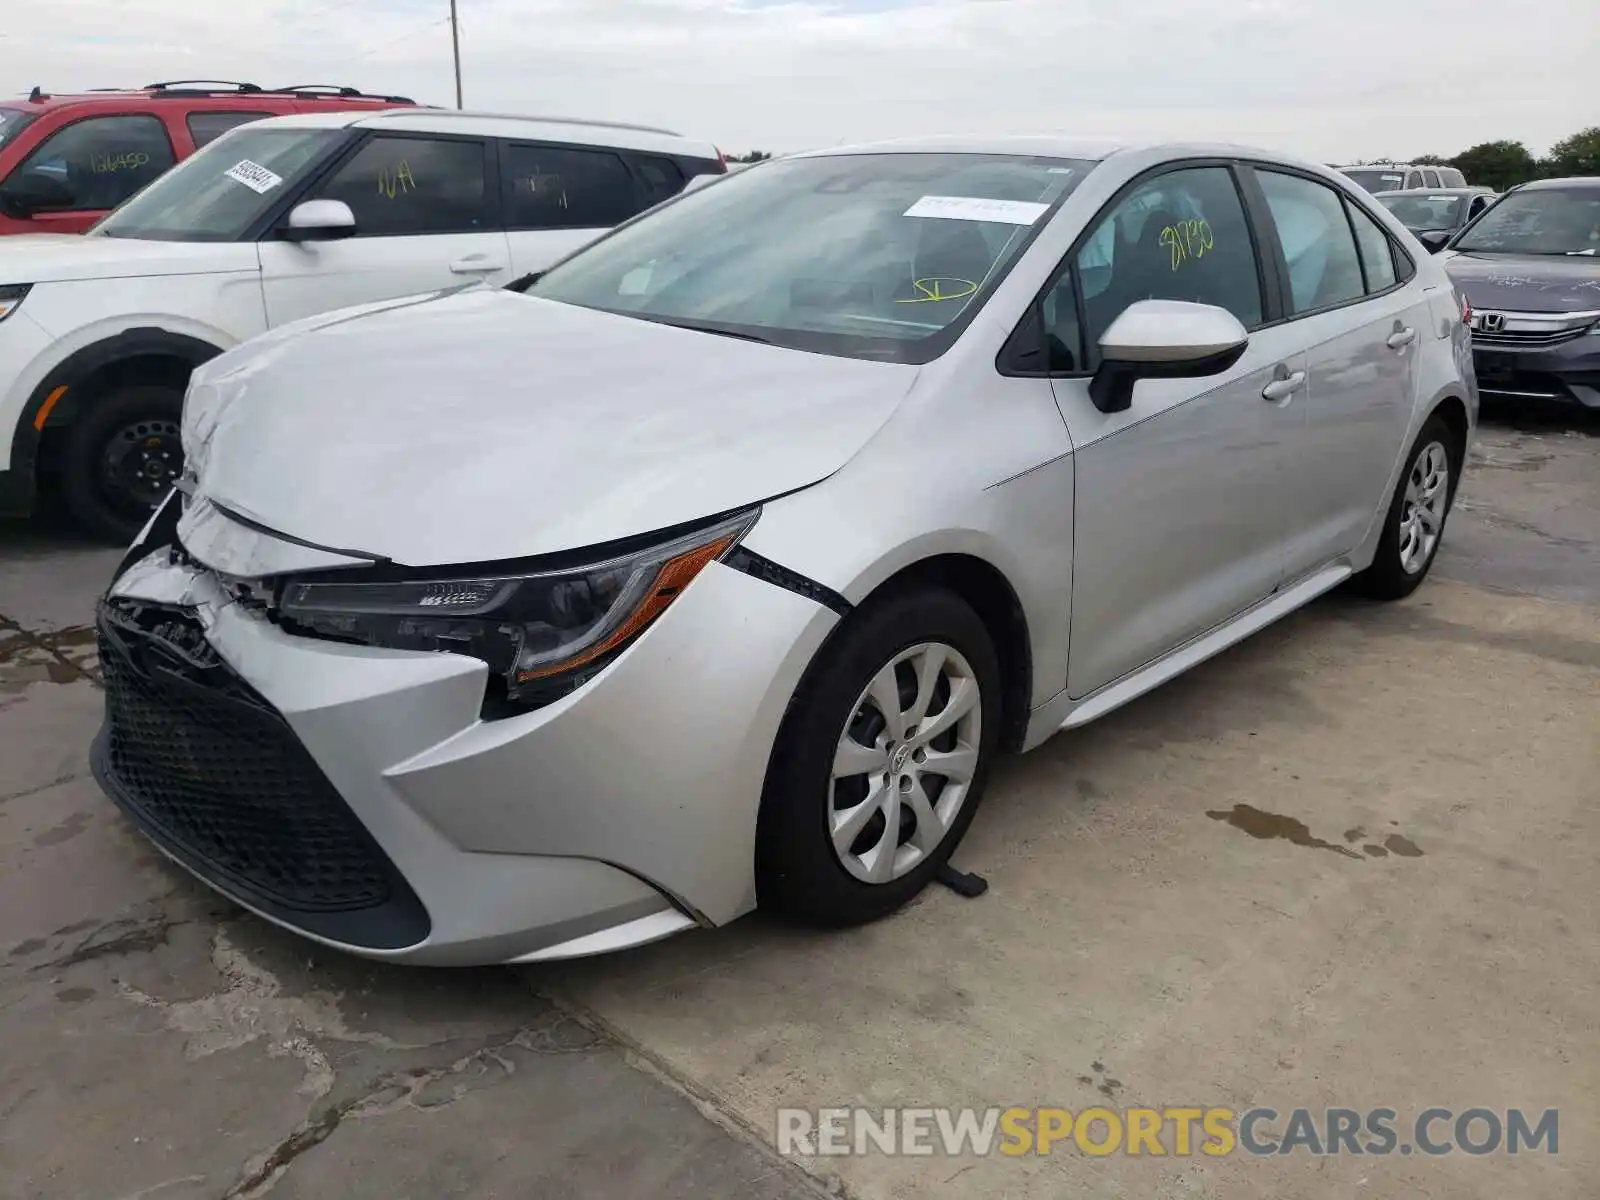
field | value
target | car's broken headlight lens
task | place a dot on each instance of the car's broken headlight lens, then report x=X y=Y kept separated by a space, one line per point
x=541 y=633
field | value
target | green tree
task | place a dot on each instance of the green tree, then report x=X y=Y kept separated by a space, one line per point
x=1430 y=160
x=1499 y=165
x=753 y=157
x=1576 y=155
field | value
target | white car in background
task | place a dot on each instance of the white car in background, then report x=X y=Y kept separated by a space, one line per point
x=273 y=222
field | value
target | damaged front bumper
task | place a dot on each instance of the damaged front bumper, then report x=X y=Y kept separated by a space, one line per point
x=354 y=794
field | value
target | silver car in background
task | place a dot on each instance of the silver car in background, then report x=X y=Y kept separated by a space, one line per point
x=719 y=566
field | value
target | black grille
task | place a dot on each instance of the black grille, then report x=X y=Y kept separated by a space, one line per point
x=211 y=772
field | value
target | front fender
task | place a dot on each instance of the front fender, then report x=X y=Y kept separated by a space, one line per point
x=68 y=366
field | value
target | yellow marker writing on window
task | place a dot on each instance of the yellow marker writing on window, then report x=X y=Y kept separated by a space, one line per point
x=938 y=287
x=396 y=182
x=109 y=163
x=1187 y=240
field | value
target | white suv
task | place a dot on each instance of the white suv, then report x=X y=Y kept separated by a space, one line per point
x=1402 y=177
x=276 y=221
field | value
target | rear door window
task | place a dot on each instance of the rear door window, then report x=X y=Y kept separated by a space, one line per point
x=1317 y=243
x=662 y=178
x=100 y=161
x=206 y=127
x=1377 y=254
x=559 y=187
x=1430 y=179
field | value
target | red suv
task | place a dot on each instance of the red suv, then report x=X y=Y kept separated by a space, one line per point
x=65 y=161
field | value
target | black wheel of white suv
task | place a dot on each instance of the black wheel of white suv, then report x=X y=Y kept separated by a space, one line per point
x=1414 y=526
x=121 y=457
x=881 y=761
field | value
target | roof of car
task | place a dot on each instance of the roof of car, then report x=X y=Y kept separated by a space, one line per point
x=1586 y=182
x=1437 y=191
x=1045 y=144
x=501 y=125
x=1049 y=145
x=1394 y=166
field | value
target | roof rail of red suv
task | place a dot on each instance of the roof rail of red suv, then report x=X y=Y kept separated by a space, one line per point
x=216 y=87
x=191 y=88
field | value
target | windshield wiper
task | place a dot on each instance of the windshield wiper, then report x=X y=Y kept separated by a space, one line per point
x=707 y=327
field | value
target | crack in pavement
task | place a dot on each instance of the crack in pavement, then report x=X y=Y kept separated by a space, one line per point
x=51 y=644
x=121 y=936
x=43 y=787
x=486 y=1066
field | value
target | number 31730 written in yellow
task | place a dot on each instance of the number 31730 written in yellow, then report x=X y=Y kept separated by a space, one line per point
x=1187 y=240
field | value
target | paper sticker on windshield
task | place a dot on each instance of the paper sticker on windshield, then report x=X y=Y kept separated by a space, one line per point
x=254 y=176
x=976 y=208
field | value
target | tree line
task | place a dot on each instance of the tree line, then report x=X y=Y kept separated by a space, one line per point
x=1504 y=164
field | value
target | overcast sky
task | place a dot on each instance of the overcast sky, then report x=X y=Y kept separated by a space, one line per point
x=1330 y=79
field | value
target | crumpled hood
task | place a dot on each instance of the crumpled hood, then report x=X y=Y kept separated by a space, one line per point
x=1527 y=282
x=486 y=425
x=65 y=257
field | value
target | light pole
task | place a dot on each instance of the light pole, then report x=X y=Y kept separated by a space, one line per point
x=455 y=47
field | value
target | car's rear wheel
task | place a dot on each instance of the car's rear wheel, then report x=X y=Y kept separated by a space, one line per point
x=881 y=761
x=120 y=459
x=1414 y=526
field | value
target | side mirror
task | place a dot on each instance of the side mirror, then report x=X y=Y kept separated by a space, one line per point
x=1434 y=239
x=1163 y=339
x=35 y=192
x=319 y=221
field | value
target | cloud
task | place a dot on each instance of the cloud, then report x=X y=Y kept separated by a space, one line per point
x=1330 y=81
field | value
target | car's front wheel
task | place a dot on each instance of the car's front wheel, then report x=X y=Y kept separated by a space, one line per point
x=881 y=761
x=120 y=459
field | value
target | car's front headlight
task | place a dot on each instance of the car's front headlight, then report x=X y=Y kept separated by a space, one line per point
x=11 y=296
x=542 y=633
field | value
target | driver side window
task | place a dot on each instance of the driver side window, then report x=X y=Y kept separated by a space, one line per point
x=1179 y=236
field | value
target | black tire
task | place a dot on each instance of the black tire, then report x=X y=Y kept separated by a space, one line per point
x=798 y=873
x=1388 y=578
x=120 y=457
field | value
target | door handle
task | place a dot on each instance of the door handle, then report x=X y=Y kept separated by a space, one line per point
x=474 y=264
x=1401 y=338
x=1282 y=389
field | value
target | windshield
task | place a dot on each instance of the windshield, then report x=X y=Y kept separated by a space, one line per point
x=1376 y=180
x=218 y=193
x=863 y=255
x=12 y=121
x=1418 y=213
x=1539 y=221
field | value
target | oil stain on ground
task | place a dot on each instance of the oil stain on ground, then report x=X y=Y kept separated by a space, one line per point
x=1266 y=826
x=1402 y=847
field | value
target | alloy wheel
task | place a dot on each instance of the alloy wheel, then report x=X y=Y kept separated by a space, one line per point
x=1422 y=514
x=905 y=762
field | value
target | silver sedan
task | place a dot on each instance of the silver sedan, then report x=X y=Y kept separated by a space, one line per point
x=717 y=565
